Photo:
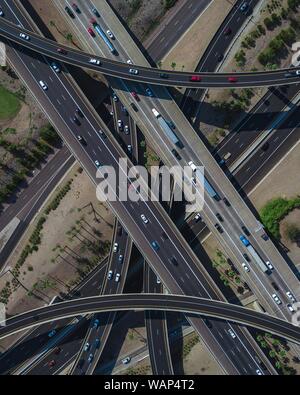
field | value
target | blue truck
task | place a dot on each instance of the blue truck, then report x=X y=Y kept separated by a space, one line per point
x=167 y=129
x=104 y=37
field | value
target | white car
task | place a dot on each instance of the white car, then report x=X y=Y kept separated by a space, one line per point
x=192 y=166
x=276 y=298
x=43 y=85
x=120 y=123
x=126 y=129
x=246 y=268
x=126 y=360
x=95 y=61
x=87 y=346
x=133 y=71
x=158 y=280
x=1 y=12
x=231 y=333
x=291 y=308
x=144 y=218
x=129 y=148
x=270 y=266
x=117 y=279
x=129 y=61
x=298 y=72
x=198 y=217
x=109 y=33
x=97 y=163
x=116 y=247
x=24 y=36
x=290 y=296
x=258 y=372
x=110 y=275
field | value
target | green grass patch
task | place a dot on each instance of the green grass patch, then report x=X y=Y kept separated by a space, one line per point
x=274 y=211
x=9 y=104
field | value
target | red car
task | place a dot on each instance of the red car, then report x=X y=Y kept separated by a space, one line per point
x=91 y=31
x=195 y=78
x=232 y=79
x=62 y=51
x=51 y=363
x=135 y=95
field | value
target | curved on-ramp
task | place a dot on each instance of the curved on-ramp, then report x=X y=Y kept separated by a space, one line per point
x=183 y=304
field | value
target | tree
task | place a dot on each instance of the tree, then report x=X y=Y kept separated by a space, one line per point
x=173 y=65
x=272 y=354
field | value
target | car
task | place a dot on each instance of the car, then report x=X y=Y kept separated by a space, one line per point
x=265 y=237
x=51 y=363
x=115 y=247
x=219 y=228
x=158 y=280
x=119 y=230
x=227 y=31
x=95 y=12
x=192 y=165
x=126 y=360
x=91 y=32
x=62 y=51
x=129 y=61
x=164 y=75
x=120 y=124
x=70 y=12
x=176 y=154
x=155 y=245
x=117 y=278
x=288 y=75
x=220 y=218
x=149 y=92
x=232 y=79
x=232 y=333
x=115 y=98
x=109 y=33
x=246 y=257
x=134 y=107
x=110 y=275
x=1 y=12
x=245 y=230
x=95 y=61
x=81 y=139
x=97 y=163
x=276 y=298
x=133 y=71
x=269 y=265
x=174 y=261
x=75 y=120
x=57 y=350
x=244 y=7
x=195 y=78
x=144 y=218
x=52 y=333
x=96 y=323
x=79 y=112
x=76 y=8
x=246 y=268
x=297 y=72
x=124 y=109
x=55 y=67
x=164 y=236
x=265 y=147
x=135 y=95
x=290 y=296
x=290 y=307
x=225 y=200
x=87 y=346
x=126 y=129
x=97 y=343
x=90 y=358
x=220 y=57
x=275 y=286
x=121 y=259
x=198 y=217
x=43 y=85
x=258 y=372
x=129 y=148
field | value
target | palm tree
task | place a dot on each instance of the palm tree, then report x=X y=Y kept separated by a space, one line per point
x=173 y=65
x=272 y=353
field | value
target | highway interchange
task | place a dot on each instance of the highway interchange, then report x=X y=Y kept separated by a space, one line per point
x=92 y=154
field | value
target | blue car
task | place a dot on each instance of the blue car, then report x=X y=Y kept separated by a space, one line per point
x=155 y=245
x=91 y=357
x=149 y=92
x=96 y=323
x=97 y=343
x=52 y=333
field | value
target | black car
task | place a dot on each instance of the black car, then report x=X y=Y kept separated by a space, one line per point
x=176 y=154
x=245 y=230
x=246 y=257
x=163 y=75
x=75 y=120
x=95 y=12
x=79 y=112
x=134 y=107
x=81 y=140
x=220 y=218
x=164 y=236
x=174 y=261
x=119 y=230
x=220 y=57
x=265 y=147
x=275 y=286
x=70 y=12
x=219 y=228
x=225 y=200
x=208 y=323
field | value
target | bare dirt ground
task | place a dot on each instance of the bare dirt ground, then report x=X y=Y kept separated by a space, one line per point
x=189 y=50
x=55 y=265
x=294 y=249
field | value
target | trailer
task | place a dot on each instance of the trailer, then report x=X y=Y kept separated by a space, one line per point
x=104 y=37
x=167 y=129
x=254 y=254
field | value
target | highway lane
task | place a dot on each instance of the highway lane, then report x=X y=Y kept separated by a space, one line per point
x=146 y=75
x=157 y=331
x=186 y=13
x=136 y=302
